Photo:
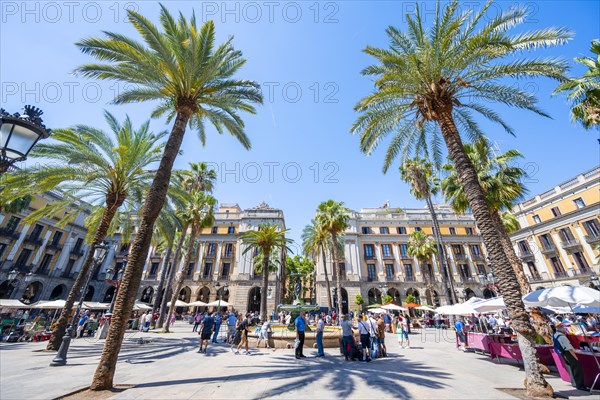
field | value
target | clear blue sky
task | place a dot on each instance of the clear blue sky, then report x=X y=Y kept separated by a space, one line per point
x=308 y=55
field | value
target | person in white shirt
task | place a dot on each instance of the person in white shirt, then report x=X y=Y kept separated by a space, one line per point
x=364 y=328
x=264 y=333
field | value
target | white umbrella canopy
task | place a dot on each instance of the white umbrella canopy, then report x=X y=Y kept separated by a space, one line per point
x=563 y=296
x=222 y=303
x=198 y=303
x=94 y=305
x=490 y=305
x=142 y=306
x=586 y=310
x=394 y=307
x=377 y=310
x=49 y=305
x=424 y=308
x=465 y=308
x=178 y=303
x=11 y=303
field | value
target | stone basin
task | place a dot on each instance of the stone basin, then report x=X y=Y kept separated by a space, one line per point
x=283 y=338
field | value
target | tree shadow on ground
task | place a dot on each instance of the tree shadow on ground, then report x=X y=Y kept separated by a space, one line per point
x=340 y=377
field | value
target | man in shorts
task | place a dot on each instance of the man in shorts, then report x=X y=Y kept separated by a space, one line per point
x=381 y=335
x=231 y=322
x=206 y=329
x=243 y=332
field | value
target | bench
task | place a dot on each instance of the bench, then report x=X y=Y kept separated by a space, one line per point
x=91 y=328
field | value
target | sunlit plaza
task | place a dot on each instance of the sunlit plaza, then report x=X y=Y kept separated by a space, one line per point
x=323 y=200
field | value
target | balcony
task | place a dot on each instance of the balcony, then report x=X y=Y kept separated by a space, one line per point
x=54 y=246
x=561 y=274
x=369 y=257
x=579 y=272
x=406 y=257
x=460 y=257
x=10 y=233
x=211 y=254
x=77 y=252
x=429 y=278
x=526 y=255
x=44 y=271
x=478 y=256
x=388 y=256
x=35 y=240
x=224 y=277
x=548 y=249
x=228 y=254
x=256 y=277
x=467 y=279
x=410 y=279
x=592 y=239
x=535 y=278
x=206 y=277
x=570 y=244
x=392 y=278
x=371 y=279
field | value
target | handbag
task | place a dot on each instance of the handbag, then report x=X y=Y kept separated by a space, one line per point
x=296 y=343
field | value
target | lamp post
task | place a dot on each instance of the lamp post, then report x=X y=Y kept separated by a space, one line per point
x=594 y=281
x=18 y=134
x=220 y=293
x=100 y=251
x=13 y=276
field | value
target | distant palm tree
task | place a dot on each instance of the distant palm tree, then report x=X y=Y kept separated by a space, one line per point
x=584 y=92
x=431 y=81
x=418 y=173
x=502 y=182
x=315 y=243
x=332 y=216
x=193 y=80
x=199 y=214
x=268 y=238
x=423 y=247
x=107 y=170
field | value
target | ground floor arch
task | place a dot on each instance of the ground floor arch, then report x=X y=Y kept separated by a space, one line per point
x=468 y=293
x=374 y=296
x=254 y=299
x=147 y=295
x=488 y=293
x=394 y=294
x=59 y=292
x=32 y=292
x=89 y=294
x=109 y=294
x=6 y=289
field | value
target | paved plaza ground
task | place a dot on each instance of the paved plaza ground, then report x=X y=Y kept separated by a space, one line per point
x=169 y=367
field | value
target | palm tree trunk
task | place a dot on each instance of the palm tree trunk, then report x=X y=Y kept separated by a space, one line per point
x=182 y=274
x=265 y=285
x=77 y=288
x=162 y=319
x=539 y=322
x=161 y=283
x=535 y=383
x=329 y=302
x=446 y=276
x=336 y=265
x=132 y=276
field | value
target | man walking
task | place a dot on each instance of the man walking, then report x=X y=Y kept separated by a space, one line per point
x=231 y=321
x=347 y=334
x=381 y=335
x=243 y=332
x=319 y=336
x=564 y=348
x=300 y=324
x=206 y=329
x=217 y=327
x=460 y=332
x=364 y=328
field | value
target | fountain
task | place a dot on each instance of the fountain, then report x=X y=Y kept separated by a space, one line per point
x=297 y=306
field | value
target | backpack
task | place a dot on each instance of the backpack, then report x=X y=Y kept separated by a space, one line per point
x=558 y=348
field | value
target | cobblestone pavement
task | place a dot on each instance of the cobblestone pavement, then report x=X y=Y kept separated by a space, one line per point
x=169 y=367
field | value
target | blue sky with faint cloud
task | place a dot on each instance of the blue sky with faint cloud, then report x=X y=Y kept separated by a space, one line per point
x=308 y=57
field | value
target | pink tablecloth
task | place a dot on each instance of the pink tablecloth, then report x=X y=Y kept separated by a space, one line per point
x=576 y=339
x=588 y=365
x=479 y=341
x=512 y=351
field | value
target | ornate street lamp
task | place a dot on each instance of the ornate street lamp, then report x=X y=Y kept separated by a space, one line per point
x=100 y=252
x=16 y=276
x=18 y=134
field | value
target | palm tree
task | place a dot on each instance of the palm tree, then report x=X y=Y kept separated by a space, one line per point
x=198 y=178
x=431 y=81
x=584 y=92
x=89 y=165
x=332 y=216
x=199 y=214
x=418 y=173
x=315 y=242
x=502 y=182
x=423 y=247
x=193 y=81
x=268 y=238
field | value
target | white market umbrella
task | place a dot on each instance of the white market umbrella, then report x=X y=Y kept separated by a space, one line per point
x=10 y=303
x=465 y=308
x=222 y=303
x=142 y=306
x=178 y=303
x=94 y=305
x=563 y=296
x=197 y=303
x=50 y=305
x=586 y=310
x=424 y=308
x=394 y=307
x=378 y=310
x=490 y=305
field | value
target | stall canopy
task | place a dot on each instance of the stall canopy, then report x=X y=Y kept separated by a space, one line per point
x=10 y=303
x=586 y=310
x=222 y=303
x=563 y=296
x=197 y=303
x=49 y=305
x=393 y=307
x=465 y=308
x=377 y=310
x=424 y=308
x=178 y=303
x=490 y=305
x=142 y=306
x=94 y=305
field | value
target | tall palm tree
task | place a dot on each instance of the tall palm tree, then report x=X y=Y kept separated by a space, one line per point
x=423 y=247
x=502 y=182
x=198 y=178
x=268 y=238
x=418 y=173
x=193 y=80
x=315 y=243
x=432 y=80
x=107 y=170
x=332 y=216
x=584 y=92
x=199 y=214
